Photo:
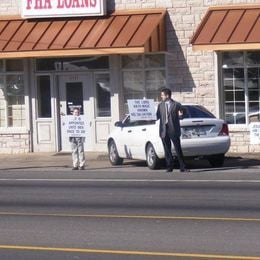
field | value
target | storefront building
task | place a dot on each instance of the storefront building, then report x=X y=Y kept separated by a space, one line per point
x=130 y=49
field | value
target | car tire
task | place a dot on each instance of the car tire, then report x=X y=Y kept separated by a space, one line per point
x=113 y=155
x=216 y=160
x=152 y=159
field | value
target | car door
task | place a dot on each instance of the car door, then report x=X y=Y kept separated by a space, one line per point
x=124 y=138
x=143 y=133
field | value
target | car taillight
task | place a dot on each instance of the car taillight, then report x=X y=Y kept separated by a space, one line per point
x=224 y=130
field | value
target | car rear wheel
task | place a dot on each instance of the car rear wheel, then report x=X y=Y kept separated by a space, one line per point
x=113 y=154
x=151 y=157
x=216 y=160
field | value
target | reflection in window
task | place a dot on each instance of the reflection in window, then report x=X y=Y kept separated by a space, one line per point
x=12 y=100
x=2 y=108
x=15 y=100
x=233 y=59
x=74 y=97
x=143 y=76
x=155 y=61
x=133 y=84
x=1 y=65
x=16 y=111
x=14 y=65
x=132 y=62
x=234 y=93
x=254 y=93
x=241 y=84
x=44 y=96
x=103 y=95
x=73 y=64
x=14 y=85
x=253 y=58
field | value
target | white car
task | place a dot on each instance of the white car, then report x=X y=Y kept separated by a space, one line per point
x=203 y=135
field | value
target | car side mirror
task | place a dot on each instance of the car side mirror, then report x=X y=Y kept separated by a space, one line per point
x=119 y=124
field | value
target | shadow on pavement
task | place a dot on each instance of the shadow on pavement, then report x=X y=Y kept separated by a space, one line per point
x=231 y=162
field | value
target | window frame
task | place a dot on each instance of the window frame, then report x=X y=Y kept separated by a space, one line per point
x=245 y=66
x=24 y=73
x=143 y=70
x=96 y=96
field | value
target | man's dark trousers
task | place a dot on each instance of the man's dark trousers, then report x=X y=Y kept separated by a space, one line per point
x=168 y=153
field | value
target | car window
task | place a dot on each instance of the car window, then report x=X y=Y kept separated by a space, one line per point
x=190 y=111
x=127 y=122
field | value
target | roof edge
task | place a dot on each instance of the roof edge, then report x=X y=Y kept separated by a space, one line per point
x=71 y=53
x=230 y=7
x=226 y=47
x=140 y=11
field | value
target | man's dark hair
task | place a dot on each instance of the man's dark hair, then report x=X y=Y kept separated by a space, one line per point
x=167 y=92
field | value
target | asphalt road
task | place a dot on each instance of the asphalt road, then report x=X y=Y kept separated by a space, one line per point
x=130 y=213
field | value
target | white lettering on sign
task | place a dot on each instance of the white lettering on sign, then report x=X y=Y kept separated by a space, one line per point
x=59 y=8
x=141 y=109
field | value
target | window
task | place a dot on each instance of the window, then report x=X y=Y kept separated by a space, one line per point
x=103 y=105
x=73 y=64
x=143 y=76
x=196 y=111
x=241 y=86
x=74 y=97
x=44 y=96
x=12 y=101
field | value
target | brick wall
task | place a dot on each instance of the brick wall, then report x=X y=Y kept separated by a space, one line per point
x=10 y=7
x=14 y=143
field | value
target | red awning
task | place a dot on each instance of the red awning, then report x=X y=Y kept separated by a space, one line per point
x=229 y=28
x=118 y=33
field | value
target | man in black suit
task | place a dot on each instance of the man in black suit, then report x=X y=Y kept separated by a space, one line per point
x=168 y=112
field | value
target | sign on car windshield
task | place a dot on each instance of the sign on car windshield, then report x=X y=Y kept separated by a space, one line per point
x=141 y=109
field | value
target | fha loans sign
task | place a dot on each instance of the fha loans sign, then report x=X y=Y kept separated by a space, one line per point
x=141 y=109
x=62 y=8
x=75 y=126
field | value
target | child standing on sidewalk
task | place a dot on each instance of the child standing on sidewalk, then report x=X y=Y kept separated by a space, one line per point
x=77 y=146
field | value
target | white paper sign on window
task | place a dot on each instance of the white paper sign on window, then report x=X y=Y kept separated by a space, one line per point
x=74 y=126
x=62 y=8
x=254 y=133
x=141 y=109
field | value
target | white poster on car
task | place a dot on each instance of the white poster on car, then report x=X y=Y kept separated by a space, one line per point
x=254 y=133
x=141 y=109
x=74 y=126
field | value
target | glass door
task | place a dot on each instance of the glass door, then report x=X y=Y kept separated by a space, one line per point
x=75 y=91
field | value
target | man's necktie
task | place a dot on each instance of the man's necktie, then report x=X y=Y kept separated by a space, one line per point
x=166 y=113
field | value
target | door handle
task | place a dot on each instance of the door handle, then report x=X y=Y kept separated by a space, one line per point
x=144 y=129
x=129 y=131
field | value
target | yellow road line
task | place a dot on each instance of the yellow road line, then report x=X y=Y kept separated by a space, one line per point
x=31 y=214
x=126 y=252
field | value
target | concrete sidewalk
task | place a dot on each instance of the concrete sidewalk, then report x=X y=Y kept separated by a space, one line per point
x=48 y=160
x=52 y=161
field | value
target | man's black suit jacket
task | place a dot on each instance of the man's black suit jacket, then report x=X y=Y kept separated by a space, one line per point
x=173 y=125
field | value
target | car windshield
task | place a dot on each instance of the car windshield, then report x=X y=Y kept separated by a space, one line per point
x=196 y=111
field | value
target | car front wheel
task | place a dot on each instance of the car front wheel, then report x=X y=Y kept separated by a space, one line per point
x=216 y=160
x=151 y=157
x=114 y=157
